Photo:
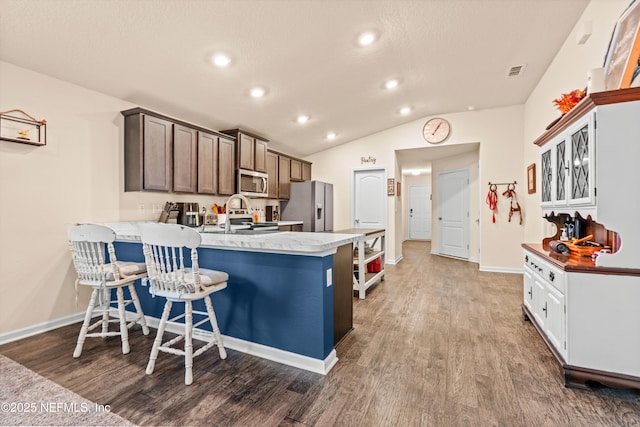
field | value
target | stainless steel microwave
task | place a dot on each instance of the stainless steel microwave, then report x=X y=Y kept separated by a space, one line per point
x=251 y=183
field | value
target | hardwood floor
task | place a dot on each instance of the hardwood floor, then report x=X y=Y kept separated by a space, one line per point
x=437 y=344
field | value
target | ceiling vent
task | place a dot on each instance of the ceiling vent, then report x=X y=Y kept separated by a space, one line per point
x=516 y=70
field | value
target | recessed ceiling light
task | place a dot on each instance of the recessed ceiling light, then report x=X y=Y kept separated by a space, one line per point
x=221 y=60
x=391 y=84
x=367 y=38
x=471 y=107
x=405 y=110
x=331 y=136
x=303 y=118
x=415 y=173
x=257 y=92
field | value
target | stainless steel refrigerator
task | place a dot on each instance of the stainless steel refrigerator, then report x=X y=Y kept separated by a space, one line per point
x=312 y=203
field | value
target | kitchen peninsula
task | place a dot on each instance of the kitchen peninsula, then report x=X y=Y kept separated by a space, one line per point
x=280 y=299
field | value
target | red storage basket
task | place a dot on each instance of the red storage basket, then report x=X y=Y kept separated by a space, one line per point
x=374 y=266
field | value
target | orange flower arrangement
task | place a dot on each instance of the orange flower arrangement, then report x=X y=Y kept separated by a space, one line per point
x=569 y=100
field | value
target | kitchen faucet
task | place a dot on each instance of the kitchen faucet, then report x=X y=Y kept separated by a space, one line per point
x=227 y=224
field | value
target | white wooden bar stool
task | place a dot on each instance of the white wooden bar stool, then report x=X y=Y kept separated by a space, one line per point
x=88 y=242
x=163 y=252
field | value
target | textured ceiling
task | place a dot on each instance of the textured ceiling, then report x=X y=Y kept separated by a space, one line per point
x=448 y=55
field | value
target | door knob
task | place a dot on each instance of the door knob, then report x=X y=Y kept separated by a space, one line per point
x=439 y=218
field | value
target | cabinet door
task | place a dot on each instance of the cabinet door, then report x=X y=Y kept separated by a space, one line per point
x=306 y=171
x=528 y=288
x=581 y=162
x=546 y=176
x=245 y=152
x=260 y=160
x=272 y=172
x=561 y=171
x=296 y=227
x=284 y=176
x=538 y=301
x=226 y=169
x=296 y=170
x=555 y=318
x=185 y=159
x=207 y=163
x=157 y=159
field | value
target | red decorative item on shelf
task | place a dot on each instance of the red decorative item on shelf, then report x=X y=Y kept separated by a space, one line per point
x=569 y=100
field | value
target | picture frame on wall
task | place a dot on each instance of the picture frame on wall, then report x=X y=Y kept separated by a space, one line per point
x=391 y=186
x=398 y=184
x=531 y=178
x=622 y=61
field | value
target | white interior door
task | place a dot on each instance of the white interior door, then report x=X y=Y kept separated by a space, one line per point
x=420 y=212
x=369 y=199
x=453 y=213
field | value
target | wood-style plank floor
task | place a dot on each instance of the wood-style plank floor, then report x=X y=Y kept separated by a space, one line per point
x=437 y=344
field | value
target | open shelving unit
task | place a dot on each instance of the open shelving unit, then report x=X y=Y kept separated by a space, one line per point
x=362 y=282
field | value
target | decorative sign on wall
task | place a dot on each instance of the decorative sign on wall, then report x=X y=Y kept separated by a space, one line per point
x=391 y=186
x=23 y=128
x=369 y=159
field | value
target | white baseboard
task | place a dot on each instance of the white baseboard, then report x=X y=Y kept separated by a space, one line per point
x=510 y=270
x=49 y=325
x=276 y=355
x=394 y=261
x=265 y=352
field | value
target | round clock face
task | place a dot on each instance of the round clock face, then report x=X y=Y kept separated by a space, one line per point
x=436 y=130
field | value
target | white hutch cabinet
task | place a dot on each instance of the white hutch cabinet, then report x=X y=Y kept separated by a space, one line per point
x=588 y=312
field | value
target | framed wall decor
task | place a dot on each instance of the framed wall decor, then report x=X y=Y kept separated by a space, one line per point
x=391 y=186
x=622 y=62
x=18 y=126
x=531 y=178
x=399 y=185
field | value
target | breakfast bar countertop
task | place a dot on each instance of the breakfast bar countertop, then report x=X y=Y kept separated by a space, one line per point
x=294 y=243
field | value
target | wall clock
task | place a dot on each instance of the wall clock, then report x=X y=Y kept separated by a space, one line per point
x=436 y=130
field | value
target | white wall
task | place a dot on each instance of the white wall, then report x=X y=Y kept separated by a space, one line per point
x=499 y=132
x=77 y=177
x=567 y=72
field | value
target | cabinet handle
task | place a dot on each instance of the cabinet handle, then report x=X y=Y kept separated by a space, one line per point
x=545 y=309
x=552 y=276
x=526 y=258
x=530 y=292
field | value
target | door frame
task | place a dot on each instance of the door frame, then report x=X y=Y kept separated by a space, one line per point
x=409 y=210
x=385 y=209
x=467 y=232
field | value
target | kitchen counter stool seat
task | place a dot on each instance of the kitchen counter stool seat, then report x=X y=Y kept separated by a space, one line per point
x=88 y=243
x=163 y=246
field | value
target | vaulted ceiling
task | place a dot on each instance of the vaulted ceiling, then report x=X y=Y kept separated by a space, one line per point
x=447 y=56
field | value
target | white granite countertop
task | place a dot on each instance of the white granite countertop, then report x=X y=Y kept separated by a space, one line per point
x=289 y=222
x=286 y=242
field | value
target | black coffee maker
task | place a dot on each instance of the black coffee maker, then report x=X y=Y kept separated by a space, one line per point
x=188 y=214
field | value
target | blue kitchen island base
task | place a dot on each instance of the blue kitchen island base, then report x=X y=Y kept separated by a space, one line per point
x=276 y=306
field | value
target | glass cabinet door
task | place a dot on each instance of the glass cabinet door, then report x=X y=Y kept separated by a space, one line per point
x=581 y=163
x=561 y=171
x=546 y=177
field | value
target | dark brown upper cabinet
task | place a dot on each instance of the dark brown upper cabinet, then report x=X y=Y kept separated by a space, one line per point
x=185 y=159
x=251 y=150
x=296 y=170
x=207 y=163
x=306 y=171
x=226 y=167
x=148 y=158
x=215 y=164
x=272 y=172
x=166 y=154
x=284 y=177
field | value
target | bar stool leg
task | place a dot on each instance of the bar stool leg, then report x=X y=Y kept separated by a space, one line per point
x=124 y=331
x=85 y=325
x=214 y=327
x=188 y=345
x=136 y=303
x=158 y=341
